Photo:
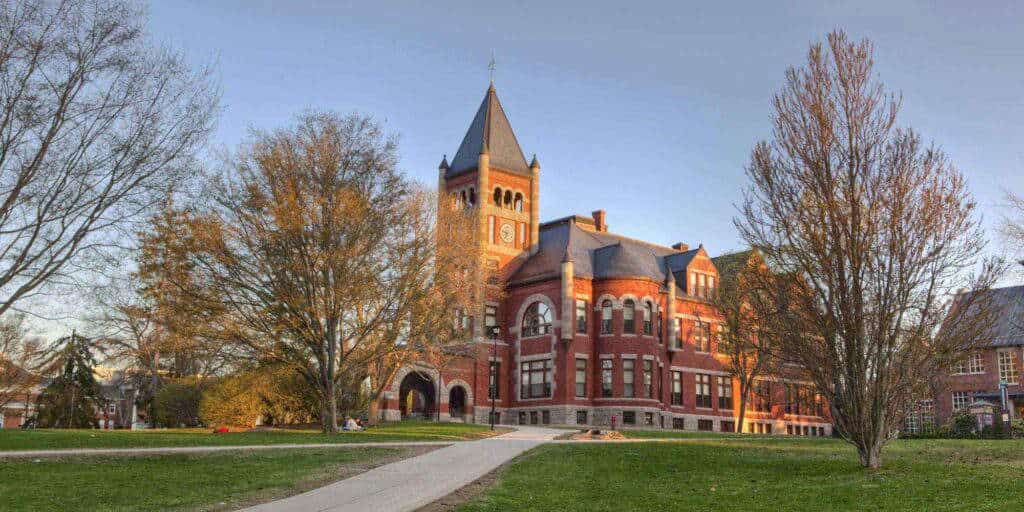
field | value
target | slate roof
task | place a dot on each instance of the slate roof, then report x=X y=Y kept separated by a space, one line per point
x=600 y=256
x=490 y=128
x=1009 y=322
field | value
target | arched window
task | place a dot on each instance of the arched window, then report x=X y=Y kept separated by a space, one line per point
x=537 y=319
x=648 y=314
x=508 y=199
x=606 y=317
x=497 y=196
x=472 y=196
x=518 y=203
x=628 y=312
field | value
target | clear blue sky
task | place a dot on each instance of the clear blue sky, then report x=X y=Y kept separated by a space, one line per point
x=647 y=110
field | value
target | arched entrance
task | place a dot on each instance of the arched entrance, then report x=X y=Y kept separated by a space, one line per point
x=417 y=398
x=457 y=402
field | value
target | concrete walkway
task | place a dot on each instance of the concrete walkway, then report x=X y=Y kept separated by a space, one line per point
x=68 y=452
x=412 y=483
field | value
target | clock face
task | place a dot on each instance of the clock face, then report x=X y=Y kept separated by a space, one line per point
x=507 y=233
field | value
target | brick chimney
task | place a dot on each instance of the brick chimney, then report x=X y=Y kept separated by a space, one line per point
x=600 y=224
x=681 y=247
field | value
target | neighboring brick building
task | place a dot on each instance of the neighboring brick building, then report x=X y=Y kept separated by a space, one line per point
x=978 y=378
x=592 y=327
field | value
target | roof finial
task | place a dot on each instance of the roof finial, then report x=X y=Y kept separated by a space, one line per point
x=490 y=68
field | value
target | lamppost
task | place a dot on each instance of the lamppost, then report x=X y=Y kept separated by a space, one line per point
x=492 y=388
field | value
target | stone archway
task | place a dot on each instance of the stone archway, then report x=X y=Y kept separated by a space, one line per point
x=417 y=397
x=457 y=402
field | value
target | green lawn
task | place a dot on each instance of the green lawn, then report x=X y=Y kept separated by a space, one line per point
x=42 y=439
x=761 y=473
x=681 y=434
x=175 y=482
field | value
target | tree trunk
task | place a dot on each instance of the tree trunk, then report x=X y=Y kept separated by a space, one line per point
x=870 y=453
x=329 y=415
x=374 y=411
x=743 y=409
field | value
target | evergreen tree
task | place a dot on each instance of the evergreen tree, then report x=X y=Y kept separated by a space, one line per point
x=72 y=399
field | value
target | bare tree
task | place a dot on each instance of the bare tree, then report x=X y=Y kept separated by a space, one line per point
x=871 y=233
x=326 y=256
x=94 y=124
x=1012 y=227
x=748 y=355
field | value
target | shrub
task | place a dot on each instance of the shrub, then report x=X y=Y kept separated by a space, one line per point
x=232 y=401
x=963 y=425
x=177 y=404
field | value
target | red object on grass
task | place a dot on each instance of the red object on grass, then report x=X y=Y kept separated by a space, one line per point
x=221 y=430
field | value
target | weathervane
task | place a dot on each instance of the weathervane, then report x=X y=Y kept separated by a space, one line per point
x=490 y=67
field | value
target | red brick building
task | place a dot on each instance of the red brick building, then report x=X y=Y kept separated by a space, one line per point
x=977 y=380
x=592 y=327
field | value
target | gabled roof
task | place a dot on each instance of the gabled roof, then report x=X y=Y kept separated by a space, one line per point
x=600 y=255
x=490 y=129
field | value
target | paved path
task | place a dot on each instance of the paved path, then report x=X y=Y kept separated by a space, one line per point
x=412 y=483
x=207 y=449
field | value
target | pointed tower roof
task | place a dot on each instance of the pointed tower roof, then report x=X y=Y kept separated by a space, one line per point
x=489 y=132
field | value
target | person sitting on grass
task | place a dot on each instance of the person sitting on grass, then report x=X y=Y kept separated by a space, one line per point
x=351 y=424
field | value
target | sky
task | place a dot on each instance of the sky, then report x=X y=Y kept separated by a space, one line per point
x=647 y=110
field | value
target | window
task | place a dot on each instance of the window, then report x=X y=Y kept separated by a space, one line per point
x=649 y=419
x=693 y=284
x=461 y=319
x=703 y=390
x=491 y=322
x=497 y=196
x=705 y=425
x=973 y=364
x=545 y=417
x=678 y=423
x=1007 y=367
x=677 y=388
x=581 y=377
x=606 y=377
x=724 y=392
x=493 y=391
x=677 y=341
x=581 y=316
x=627 y=377
x=793 y=399
x=629 y=417
x=533 y=417
x=961 y=400
x=495 y=417
x=910 y=424
x=711 y=286
x=628 y=313
x=535 y=379
x=927 y=408
x=606 y=317
x=472 y=196
x=767 y=428
x=522 y=417
x=648 y=377
x=508 y=199
x=537 y=319
x=518 y=202
x=763 y=397
x=701 y=339
x=727 y=426
x=819 y=405
x=648 y=315
x=581 y=417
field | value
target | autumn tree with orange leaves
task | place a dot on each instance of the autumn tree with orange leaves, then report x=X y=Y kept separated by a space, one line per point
x=330 y=260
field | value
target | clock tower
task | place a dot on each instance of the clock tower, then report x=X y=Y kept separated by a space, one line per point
x=490 y=175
